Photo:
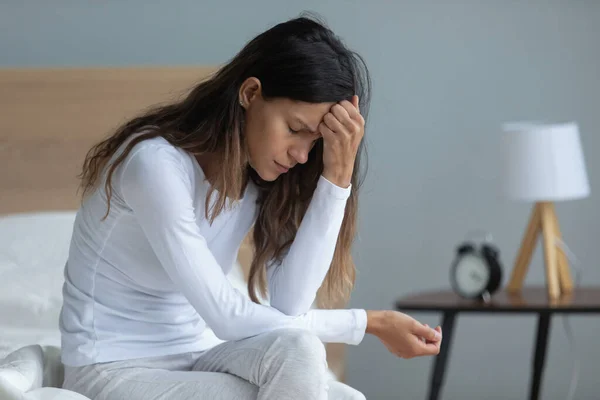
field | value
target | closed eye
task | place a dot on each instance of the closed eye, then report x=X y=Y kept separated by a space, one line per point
x=293 y=131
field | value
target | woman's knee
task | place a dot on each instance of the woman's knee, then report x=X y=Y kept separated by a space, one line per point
x=341 y=391
x=299 y=347
x=301 y=342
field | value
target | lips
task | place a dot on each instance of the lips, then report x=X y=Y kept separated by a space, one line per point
x=282 y=168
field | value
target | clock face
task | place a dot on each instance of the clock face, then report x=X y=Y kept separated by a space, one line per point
x=471 y=275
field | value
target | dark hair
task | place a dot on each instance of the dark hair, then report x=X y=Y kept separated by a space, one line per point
x=300 y=59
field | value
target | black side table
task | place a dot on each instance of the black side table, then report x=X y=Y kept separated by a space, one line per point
x=529 y=300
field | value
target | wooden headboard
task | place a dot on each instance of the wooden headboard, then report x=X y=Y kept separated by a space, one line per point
x=49 y=118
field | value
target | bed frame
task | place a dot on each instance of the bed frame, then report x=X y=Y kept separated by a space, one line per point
x=51 y=117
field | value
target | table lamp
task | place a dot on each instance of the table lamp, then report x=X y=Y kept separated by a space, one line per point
x=544 y=163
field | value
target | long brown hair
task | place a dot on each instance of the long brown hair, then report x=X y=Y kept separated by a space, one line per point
x=300 y=59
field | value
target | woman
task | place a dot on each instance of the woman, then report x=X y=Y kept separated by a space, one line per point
x=271 y=143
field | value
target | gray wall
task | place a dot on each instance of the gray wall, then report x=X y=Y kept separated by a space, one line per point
x=446 y=75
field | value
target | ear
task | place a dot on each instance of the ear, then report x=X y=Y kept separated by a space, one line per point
x=250 y=91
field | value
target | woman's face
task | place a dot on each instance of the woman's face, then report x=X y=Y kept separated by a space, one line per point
x=280 y=132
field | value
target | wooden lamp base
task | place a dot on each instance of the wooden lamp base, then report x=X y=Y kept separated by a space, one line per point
x=558 y=276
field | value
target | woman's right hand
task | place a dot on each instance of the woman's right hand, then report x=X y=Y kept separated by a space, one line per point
x=403 y=335
x=342 y=129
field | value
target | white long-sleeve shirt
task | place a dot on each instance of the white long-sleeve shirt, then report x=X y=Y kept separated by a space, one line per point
x=149 y=279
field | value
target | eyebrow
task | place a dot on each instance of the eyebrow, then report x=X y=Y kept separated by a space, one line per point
x=305 y=126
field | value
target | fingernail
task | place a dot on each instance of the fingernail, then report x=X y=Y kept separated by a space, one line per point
x=438 y=336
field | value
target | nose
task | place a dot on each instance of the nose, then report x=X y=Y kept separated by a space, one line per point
x=299 y=152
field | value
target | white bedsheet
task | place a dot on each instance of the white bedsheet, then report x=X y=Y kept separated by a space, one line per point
x=33 y=250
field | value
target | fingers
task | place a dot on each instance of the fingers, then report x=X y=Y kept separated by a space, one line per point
x=438 y=329
x=352 y=110
x=426 y=332
x=325 y=131
x=355 y=102
x=334 y=123
x=413 y=347
x=344 y=117
x=425 y=347
x=341 y=114
x=429 y=349
x=417 y=348
x=412 y=339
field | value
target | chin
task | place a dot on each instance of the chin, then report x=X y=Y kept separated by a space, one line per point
x=268 y=176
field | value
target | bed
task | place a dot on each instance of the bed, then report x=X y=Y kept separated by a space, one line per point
x=49 y=119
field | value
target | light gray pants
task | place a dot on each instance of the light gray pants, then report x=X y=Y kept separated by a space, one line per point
x=280 y=365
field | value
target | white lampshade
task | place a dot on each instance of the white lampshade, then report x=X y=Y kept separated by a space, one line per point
x=544 y=162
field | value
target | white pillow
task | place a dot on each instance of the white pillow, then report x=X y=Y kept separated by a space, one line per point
x=34 y=373
x=22 y=370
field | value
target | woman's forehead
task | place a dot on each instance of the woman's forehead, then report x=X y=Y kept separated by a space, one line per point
x=309 y=114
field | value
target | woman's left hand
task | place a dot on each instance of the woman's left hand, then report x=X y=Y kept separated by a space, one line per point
x=342 y=128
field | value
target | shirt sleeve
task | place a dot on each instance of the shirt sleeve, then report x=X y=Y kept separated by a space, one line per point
x=293 y=283
x=155 y=185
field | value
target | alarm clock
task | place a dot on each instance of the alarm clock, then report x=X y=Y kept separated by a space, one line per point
x=476 y=272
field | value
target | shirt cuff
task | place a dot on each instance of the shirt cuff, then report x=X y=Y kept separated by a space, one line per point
x=331 y=189
x=360 y=326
